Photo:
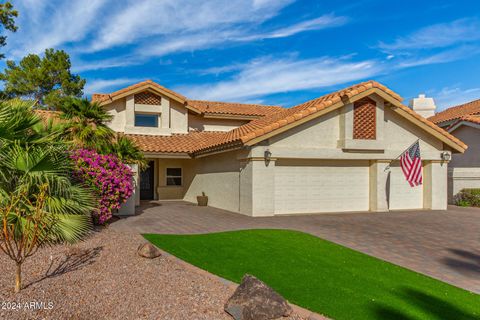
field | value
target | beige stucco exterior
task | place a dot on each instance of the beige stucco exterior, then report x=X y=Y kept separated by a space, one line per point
x=314 y=167
x=464 y=169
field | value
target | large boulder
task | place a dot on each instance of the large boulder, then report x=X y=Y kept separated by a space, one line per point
x=148 y=250
x=254 y=300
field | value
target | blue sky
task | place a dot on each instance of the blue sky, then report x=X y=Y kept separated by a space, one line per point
x=279 y=52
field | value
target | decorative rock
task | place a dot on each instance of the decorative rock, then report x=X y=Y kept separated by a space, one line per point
x=148 y=250
x=254 y=300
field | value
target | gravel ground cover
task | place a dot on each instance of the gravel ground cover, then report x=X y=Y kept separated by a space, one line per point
x=103 y=278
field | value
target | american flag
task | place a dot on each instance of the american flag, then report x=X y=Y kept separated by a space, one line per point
x=411 y=164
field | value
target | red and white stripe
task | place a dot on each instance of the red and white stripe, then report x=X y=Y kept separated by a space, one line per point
x=411 y=164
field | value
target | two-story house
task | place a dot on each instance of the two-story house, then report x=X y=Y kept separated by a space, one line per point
x=336 y=153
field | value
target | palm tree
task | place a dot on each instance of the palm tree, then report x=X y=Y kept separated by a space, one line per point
x=85 y=123
x=40 y=204
x=126 y=150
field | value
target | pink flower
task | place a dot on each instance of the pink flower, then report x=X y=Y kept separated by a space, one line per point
x=108 y=176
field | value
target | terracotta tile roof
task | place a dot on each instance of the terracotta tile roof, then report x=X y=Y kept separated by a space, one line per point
x=472 y=118
x=232 y=108
x=259 y=127
x=457 y=112
x=201 y=106
x=176 y=143
x=103 y=97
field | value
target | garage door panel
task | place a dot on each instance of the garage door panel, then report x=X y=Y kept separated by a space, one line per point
x=401 y=194
x=327 y=188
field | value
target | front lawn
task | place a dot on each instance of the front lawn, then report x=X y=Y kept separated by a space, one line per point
x=322 y=276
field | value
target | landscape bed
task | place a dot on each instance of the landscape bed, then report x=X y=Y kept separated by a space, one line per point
x=323 y=276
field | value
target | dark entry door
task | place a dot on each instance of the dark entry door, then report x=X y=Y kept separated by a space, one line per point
x=147 y=182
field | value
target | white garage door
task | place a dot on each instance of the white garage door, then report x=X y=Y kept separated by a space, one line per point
x=402 y=195
x=333 y=186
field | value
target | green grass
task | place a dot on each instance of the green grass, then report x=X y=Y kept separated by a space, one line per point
x=322 y=276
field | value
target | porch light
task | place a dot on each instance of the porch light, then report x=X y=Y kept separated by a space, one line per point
x=446 y=156
x=268 y=156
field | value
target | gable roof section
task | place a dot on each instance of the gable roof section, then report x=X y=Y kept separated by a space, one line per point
x=470 y=120
x=457 y=112
x=208 y=108
x=104 y=99
x=273 y=120
x=268 y=126
x=212 y=108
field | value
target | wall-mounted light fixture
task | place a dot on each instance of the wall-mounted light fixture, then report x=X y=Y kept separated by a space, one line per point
x=446 y=156
x=267 y=156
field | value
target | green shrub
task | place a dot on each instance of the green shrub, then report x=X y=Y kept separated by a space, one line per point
x=468 y=198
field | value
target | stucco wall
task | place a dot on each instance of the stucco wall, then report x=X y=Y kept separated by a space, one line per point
x=208 y=124
x=173 y=116
x=165 y=192
x=322 y=132
x=117 y=110
x=178 y=117
x=218 y=176
x=471 y=157
x=319 y=139
x=462 y=178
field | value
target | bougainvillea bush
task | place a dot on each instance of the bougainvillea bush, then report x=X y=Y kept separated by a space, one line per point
x=108 y=176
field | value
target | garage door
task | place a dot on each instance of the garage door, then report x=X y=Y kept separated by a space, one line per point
x=402 y=195
x=333 y=186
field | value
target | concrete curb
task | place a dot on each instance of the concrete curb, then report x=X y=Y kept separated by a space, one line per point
x=302 y=312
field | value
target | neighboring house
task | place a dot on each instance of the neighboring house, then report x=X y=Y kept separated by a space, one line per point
x=463 y=122
x=325 y=155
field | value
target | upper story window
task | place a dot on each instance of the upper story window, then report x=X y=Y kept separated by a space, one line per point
x=174 y=176
x=148 y=98
x=146 y=120
x=365 y=119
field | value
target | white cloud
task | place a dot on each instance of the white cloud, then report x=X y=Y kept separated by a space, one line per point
x=148 y=28
x=139 y=20
x=437 y=36
x=323 y=22
x=108 y=63
x=107 y=85
x=50 y=24
x=445 y=56
x=267 y=76
x=453 y=96
x=210 y=38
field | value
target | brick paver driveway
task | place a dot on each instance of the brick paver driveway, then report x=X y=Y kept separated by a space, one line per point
x=442 y=244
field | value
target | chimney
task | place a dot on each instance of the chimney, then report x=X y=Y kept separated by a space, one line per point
x=423 y=106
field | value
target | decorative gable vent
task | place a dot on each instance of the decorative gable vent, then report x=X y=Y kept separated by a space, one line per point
x=149 y=98
x=364 y=119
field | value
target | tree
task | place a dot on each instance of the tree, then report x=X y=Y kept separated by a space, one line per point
x=85 y=123
x=7 y=20
x=126 y=150
x=40 y=203
x=47 y=80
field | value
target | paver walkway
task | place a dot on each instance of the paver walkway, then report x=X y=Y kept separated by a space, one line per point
x=442 y=244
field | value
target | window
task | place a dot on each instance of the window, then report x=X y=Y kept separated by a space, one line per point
x=146 y=120
x=364 y=119
x=174 y=176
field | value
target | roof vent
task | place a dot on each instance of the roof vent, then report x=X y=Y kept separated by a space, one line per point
x=423 y=106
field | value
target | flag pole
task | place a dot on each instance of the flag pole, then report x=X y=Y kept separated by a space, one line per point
x=388 y=165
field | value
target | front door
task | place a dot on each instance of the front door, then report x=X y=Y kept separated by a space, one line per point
x=147 y=182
